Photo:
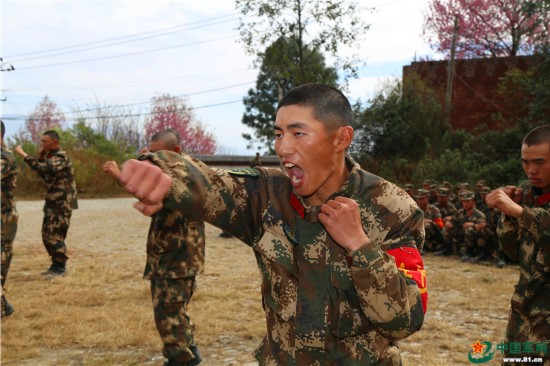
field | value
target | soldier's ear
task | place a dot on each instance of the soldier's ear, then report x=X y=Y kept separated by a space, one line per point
x=343 y=138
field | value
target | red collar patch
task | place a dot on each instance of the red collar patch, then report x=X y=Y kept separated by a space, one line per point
x=542 y=200
x=295 y=202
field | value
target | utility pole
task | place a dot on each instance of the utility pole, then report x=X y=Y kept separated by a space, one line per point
x=5 y=67
x=450 y=75
x=281 y=83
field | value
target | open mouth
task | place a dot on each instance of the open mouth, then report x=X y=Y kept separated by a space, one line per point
x=295 y=174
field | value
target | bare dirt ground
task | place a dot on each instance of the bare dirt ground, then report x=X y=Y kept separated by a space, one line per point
x=101 y=312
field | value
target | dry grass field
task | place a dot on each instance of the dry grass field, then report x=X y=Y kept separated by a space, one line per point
x=101 y=312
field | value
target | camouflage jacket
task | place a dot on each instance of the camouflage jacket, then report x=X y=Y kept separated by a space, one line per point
x=527 y=239
x=449 y=210
x=461 y=217
x=491 y=215
x=175 y=246
x=9 y=180
x=432 y=212
x=57 y=171
x=323 y=304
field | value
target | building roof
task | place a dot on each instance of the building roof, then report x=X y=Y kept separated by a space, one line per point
x=233 y=160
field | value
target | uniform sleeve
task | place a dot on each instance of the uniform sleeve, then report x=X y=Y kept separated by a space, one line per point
x=436 y=218
x=46 y=166
x=534 y=222
x=537 y=221
x=392 y=284
x=507 y=232
x=212 y=195
x=6 y=167
x=481 y=219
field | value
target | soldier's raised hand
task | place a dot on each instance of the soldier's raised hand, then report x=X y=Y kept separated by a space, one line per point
x=506 y=200
x=147 y=182
x=19 y=151
x=111 y=167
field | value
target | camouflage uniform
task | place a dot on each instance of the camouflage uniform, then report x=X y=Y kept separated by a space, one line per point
x=433 y=194
x=527 y=239
x=466 y=241
x=434 y=236
x=323 y=304
x=491 y=215
x=409 y=188
x=175 y=254
x=57 y=171
x=449 y=210
x=9 y=216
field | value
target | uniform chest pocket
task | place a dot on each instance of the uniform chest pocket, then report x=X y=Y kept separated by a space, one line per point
x=348 y=315
x=275 y=256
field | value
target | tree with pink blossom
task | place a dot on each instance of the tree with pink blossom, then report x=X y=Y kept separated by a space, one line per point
x=488 y=28
x=173 y=112
x=46 y=116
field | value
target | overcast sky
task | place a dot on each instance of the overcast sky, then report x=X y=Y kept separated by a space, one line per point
x=185 y=48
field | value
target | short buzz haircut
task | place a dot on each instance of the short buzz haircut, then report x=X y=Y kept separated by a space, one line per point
x=330 y=106
x=538 y=135
x=169 y=137
x=53 y=135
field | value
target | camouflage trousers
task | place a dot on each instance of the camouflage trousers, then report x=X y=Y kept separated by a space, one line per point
x=9 y=229
x=476 y=241
x=434 y=237
x=54 y=231
x=466 y=241
x=524 y=330
x=170 y=300
x=451 y=239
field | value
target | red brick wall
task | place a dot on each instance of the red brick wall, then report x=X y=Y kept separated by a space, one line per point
x=474 y=98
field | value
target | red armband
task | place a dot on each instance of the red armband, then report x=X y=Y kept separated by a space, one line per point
x=409 y=262
x=439 y=222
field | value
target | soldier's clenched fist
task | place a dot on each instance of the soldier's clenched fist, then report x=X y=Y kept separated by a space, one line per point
x=147 y=182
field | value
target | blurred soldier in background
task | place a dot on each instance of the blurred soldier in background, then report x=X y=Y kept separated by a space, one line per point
x=491 y=216
x=480 y=184
x=473 y=229
x=175 y=255
x=409 y=188
x=447 y=210
x=464 y=232
x=427 y=184
x=432 y=198
x=56 y=169
x=9 y=216
x=433 y=224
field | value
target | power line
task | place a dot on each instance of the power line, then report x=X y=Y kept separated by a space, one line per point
x=147 y=102
x=25 y=118
x=121 y=37
x=127 y=54
x=132 y=84
x=121 y=42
